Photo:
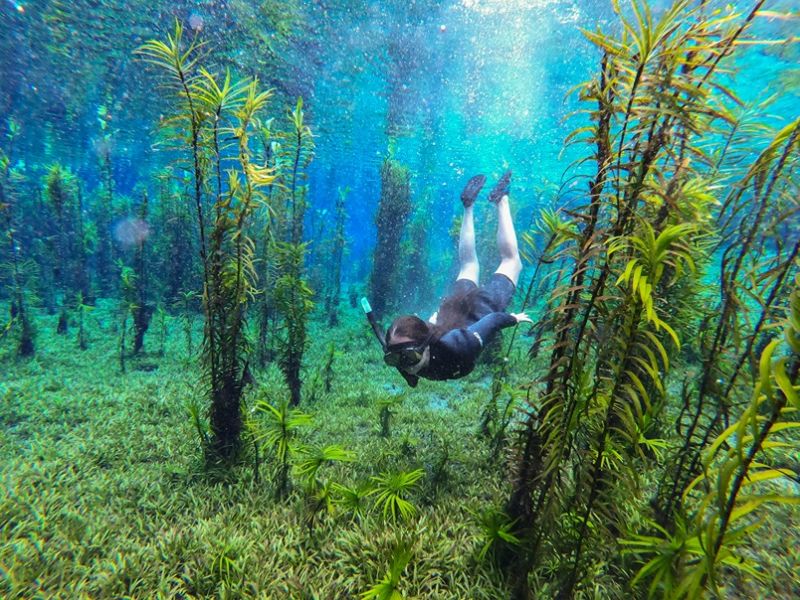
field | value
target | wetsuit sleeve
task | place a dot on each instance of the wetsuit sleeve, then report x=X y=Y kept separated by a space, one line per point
x=464 y=345
x=491 y=324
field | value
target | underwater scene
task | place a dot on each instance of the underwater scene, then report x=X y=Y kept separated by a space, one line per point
x=395 y=299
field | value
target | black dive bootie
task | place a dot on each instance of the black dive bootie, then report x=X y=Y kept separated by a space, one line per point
x=472 y=189
x=501 y=189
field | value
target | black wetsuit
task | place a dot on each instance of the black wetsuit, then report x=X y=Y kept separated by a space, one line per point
x=455 y=353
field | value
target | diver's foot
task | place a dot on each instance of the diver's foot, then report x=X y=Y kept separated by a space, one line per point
x=472 y=189
x=501 y=188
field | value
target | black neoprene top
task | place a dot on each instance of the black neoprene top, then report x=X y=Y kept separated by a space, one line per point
x=456 y=352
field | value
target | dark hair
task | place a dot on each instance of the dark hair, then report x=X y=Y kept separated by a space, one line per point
x=453 y=314
x=409 y=326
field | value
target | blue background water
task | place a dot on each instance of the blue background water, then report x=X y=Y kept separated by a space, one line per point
x=451 y=88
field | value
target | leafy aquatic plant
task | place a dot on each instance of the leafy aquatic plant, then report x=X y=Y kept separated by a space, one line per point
x=353 y=499
x=394 y=209
x=276 y=431
x=391 y=491
x=339 y=240
x=291 y=294
x=497 y=531
x=388 y=588
x=645 y=220
x=142 y=310
x=226 y=251
x=688 y=560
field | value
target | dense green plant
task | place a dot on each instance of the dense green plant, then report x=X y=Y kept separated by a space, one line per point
x=352 y=499
x=339 y=241
x=385 y=405
x=633 y=247
x=142 y=310
x=388 y=588
x=497 y=533
x=20 y=321
x=394 y=209
x=81 y=309
x=733 y=483
x=127 y=307
x=293 y=301
x=391 y=491
x=292 y=295
x=205 y=110
x=276 y=429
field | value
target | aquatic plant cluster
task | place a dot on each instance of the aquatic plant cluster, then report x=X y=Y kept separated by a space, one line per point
x=191 y=402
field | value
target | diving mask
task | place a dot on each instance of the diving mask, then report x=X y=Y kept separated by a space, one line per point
x=404 y=355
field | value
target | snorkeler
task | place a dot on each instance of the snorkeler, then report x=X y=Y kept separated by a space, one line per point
x=447 y=346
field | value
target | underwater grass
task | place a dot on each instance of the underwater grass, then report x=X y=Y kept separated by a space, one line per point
x=105 y=494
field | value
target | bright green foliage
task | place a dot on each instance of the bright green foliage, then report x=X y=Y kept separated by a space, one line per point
x=292 y=298
x=276 y=431
x=732 y=485
x=354 y=500
x=650 y=221
x=389 y=587
x=206 y=111
x=391 y=491
x=497 y=530
x=313 y=458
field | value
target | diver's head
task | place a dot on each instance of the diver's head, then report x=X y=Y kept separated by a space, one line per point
x=406 y=341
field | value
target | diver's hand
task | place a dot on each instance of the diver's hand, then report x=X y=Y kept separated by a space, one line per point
x=522 y=317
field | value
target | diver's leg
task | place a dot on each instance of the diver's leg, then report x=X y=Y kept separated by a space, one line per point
x=510 y=264
x=467 y=257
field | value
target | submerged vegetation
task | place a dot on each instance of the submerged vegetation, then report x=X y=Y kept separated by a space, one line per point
x=639 y=441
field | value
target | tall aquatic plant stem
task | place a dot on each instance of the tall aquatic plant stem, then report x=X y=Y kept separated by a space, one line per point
x=730 y=300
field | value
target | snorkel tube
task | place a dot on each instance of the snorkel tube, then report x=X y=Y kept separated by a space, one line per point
x=411 y=380
x=373 y=321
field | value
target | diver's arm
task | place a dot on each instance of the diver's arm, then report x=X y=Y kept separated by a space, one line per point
x=491 y=324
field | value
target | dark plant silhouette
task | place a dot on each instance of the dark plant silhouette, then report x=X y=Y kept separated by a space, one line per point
x=394 y=209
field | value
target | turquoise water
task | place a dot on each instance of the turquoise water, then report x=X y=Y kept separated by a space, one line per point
x=115 y=481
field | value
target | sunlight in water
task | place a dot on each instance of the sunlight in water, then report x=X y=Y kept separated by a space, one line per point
x=488 y=7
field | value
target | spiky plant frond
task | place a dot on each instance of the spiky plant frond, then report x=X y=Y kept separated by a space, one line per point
x=391 y=491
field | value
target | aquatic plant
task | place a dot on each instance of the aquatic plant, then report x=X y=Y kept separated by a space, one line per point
x=292 y=296
x=127 y=307
x=497 y=533
x=733 y=484
x=391 y=491
x=142 y=309
x=352 y=499
x=394 y=208
x=226 y=251
x=293 y=302
x=65 y=243
x=276 y=431
x=339 y=241
x=81 y=308
x=385 y=405
x=311 y=459
x=388 y=588
x=647 y=218
x=20 y=320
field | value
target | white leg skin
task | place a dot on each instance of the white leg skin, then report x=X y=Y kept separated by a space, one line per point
x=510 y=264
x=467 y=257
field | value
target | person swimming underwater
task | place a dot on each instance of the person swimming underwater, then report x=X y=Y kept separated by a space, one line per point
x=447 y=346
